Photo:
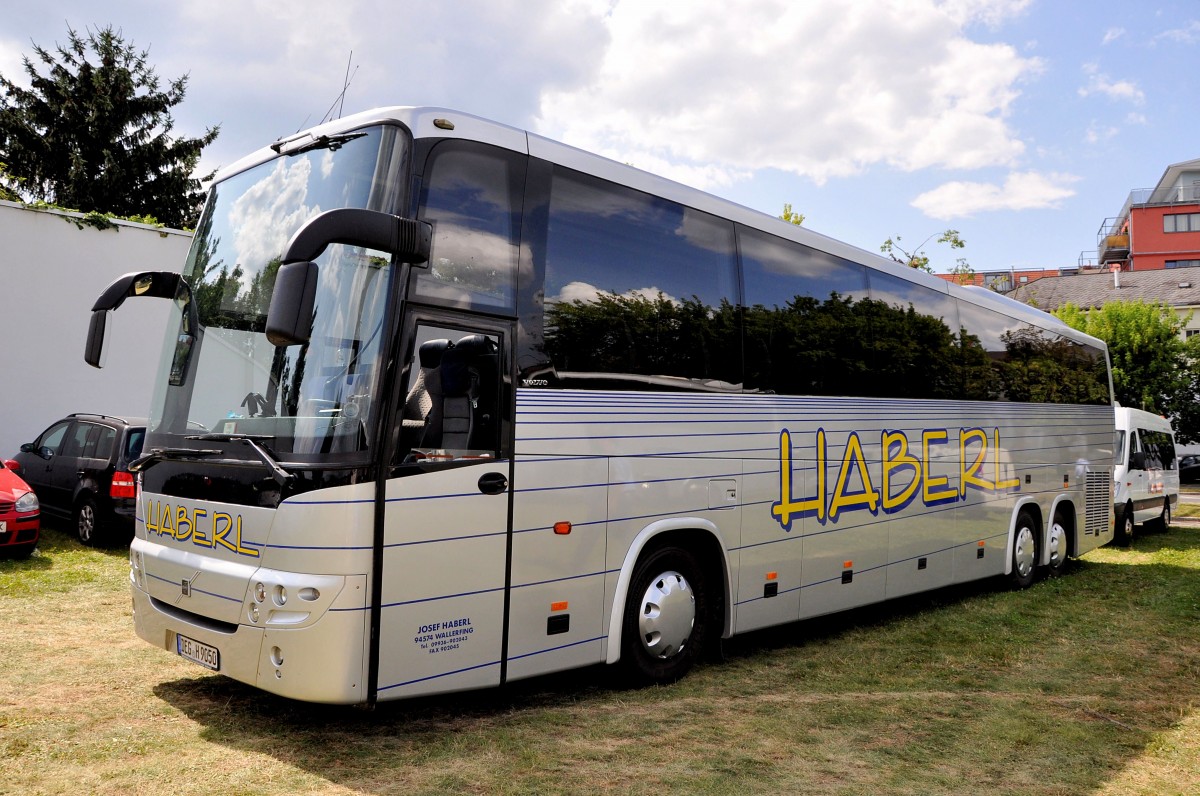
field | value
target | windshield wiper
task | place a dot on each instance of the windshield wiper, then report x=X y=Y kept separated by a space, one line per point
x=281 y=476
x=157 y=455
x=305 y=142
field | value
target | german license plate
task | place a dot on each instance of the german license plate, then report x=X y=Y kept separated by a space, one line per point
x=198 y=652
x=3 y=526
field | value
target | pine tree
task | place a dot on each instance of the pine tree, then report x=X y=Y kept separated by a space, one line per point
x=97 y=136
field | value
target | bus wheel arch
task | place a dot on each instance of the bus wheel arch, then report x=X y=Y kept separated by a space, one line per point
x=1024 y=545
x=669 y=559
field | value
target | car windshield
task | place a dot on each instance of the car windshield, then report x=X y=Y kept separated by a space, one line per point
x=219 y=374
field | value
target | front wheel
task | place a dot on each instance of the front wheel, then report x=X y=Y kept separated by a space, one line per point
x=1024 y=551
x=666 y=622
x=1162 y=523
x=1124 y=534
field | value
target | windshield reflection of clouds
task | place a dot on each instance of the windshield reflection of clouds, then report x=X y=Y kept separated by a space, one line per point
x=590 y=294
x=270 y=210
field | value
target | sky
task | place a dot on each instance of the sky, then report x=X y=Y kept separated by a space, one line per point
x=1022 y=124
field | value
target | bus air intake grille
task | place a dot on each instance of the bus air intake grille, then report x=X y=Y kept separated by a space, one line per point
x=1099 y=503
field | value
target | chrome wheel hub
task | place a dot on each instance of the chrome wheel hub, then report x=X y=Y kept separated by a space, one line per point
x=1024 y=549
x=667 y=615
x=1058 y=546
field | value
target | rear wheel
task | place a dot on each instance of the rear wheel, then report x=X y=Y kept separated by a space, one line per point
x=1024 y=551
x=87 y=521
x=666 y=623
x=1058 y=546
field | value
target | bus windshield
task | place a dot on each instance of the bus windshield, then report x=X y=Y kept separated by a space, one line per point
x=218 y=373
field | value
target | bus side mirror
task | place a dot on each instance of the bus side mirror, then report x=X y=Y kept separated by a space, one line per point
x=93 y=350
x=293 y=300
x=290 y=317
x=150 y=284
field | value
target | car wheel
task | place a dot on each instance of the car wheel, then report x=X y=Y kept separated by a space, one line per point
x=1058 y=546
x=1024 y=551
x=666 y=617
x=87 y=521
x=1162 y=523
x=1124 y=534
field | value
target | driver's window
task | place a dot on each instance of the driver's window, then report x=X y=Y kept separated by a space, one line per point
x=53 y=437
x=451 y=409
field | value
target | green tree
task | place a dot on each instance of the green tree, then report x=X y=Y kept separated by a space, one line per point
x=97 y=136
x=917 y=258
x=1153 y=368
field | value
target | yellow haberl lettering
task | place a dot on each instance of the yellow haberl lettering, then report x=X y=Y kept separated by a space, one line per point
x=787 y=506
x=897 y=459
x=869 y=497
x=969 y=474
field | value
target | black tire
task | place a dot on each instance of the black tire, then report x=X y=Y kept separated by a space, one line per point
x=87 y=522
x=1124 y=531
x=667 y=617
x=1026 y=551
x=1058 y=546
x=1162 y=523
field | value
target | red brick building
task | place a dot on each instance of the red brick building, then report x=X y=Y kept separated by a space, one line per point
x=1157 y=228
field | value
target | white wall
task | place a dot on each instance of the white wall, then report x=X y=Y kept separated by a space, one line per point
x=51 y=272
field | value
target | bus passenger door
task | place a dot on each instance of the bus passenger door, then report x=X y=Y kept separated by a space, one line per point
x=446 y=526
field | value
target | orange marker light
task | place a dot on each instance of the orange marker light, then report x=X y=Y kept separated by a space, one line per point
x=560 y=606
x=772 y=575
x=983 y=544
x=847 y=564
x=562 y=528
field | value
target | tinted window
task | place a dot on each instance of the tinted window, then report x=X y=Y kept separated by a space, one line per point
x=134 y=439
x=1042 y=366
x=53 y=436
x=104 y=442
x=638 y=289
x=77 y=439
x=914 y=332
x=1159 y=448
x=472 y=197
x=803 y=332
x=452 y=406
x=982 y=335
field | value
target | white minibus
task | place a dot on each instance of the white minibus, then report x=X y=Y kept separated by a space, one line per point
x=1146 y=472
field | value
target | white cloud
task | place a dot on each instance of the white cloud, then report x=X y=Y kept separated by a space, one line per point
x=1026 y=190
x=1112 y=34
x=709 y=91
x=1100 y=83
x=1098 y=132
x=1188 y=34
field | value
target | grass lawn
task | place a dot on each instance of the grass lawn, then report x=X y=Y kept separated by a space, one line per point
x=1084 y=684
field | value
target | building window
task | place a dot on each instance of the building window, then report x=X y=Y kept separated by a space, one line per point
x=1181 y=264
x=1181 y=222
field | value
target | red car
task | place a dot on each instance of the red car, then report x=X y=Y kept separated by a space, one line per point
x=20 y=515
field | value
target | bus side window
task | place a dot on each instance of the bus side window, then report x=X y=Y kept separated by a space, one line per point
x=451 y=408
